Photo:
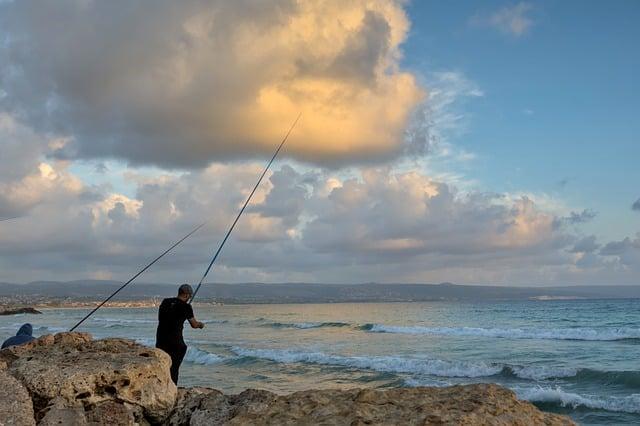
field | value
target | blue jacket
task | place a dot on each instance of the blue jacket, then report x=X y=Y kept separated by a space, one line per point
x=23 y=336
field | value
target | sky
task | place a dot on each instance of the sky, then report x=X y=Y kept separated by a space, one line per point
x=488 y=142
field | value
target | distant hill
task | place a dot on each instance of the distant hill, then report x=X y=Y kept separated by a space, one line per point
x=313 y=293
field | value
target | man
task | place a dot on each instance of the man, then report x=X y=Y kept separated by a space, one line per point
x=171 y=317
x=23 y=336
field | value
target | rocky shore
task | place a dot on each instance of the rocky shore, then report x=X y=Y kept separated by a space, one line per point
x=16 y=311
x=71 y=379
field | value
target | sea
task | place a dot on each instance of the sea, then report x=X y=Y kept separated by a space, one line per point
x=576 y=357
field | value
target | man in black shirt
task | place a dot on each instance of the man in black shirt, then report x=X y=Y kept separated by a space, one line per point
x=171 y=317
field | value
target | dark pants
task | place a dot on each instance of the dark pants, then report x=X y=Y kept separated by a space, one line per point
x=176 y=351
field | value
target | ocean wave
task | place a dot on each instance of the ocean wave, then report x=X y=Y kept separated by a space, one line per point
x=215 y=321
x=306 y=325
x=387 y=364
x=629 y=379
x=558 y=396
x=44 y=329
x=198 y=356
x=591 y=334
x=125 y=321
x=540 y=372
x=194 y=355
x=40 y=329
x=146 y=342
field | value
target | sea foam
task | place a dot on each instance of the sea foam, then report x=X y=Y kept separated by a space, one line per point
x=390 y=364
x=623 y=404
x=307 y=325
x=199 y=356
x=606 y=334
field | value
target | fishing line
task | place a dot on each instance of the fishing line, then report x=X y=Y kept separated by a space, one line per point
x=191 y=233
x=224 y=240
x=138 y=274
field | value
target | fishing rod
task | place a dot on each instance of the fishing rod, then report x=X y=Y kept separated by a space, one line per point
x=138 y=274
x=224 y=240
x=188 y=235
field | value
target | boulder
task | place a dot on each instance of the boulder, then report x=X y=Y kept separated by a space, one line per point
x=16 y=408
x=479 y=404
x=69 y=373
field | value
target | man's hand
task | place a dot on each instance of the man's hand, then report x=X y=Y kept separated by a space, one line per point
x=195 y=323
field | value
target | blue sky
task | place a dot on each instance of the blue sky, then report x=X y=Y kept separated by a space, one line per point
x=560 y=108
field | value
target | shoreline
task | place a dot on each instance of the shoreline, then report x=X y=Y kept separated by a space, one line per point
x=141 y=304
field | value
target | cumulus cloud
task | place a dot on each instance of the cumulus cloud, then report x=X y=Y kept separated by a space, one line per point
x=511 y=20
x=585 y=245
x=580 y=217
x=376 y=224
x=636 y=206
x=184 y=85
x=625 y=253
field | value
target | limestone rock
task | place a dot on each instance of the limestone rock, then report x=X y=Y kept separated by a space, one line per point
x=481 y=404
x=70 y=379
x=16 y=408
x=70 y=370
x=60 y=413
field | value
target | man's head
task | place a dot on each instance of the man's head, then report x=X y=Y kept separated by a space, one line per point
x=184 y=292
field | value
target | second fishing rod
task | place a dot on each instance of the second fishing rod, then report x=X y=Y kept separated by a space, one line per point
x=215 y=256
x=244 y=206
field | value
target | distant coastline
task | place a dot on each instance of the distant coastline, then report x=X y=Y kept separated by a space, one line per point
x=83 y=294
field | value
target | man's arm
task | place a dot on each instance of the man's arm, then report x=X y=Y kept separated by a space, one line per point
x=195 y=323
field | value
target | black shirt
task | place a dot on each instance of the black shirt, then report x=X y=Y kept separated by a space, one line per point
x=172 y=314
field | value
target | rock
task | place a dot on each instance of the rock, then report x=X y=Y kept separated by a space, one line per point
x=16 y=408
x=19 y=311
x=70 y=379
x=69 y=370
x=59 y=413
x=105 y=413
x=480 y=404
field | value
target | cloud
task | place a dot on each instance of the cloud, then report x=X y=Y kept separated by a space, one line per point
x=636 y=206
x=355 y=225
x=437 y=121
x=585 y=245
x=25 y=180
x=372 y=224
x=580 y=217
x=626 y=252
x=153 y=82
x=511 y=20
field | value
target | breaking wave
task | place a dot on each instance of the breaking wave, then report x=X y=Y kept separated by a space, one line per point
x=628 y=379
x=111 y=322
x=608 y=334
x=557 y=396
x=198 y=356
x=386 y=364
x=306 y=325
